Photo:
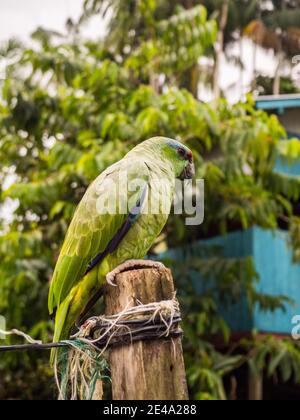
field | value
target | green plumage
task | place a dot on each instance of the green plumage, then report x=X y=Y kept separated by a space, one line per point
x=92 y=229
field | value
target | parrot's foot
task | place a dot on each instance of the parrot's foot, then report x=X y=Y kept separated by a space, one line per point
x=131 y=265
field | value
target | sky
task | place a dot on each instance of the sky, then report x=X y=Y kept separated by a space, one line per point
x=19 y=18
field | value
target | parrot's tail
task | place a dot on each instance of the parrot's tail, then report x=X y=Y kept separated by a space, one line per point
x=62 y=330
x=68 y=361
x=72 y=309
x=60 y=356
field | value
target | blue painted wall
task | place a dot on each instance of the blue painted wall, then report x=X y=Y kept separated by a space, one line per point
x=285 y=168
x=233 y=245
x=278 y=276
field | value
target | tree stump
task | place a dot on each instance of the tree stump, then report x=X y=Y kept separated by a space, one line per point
x=145 y=370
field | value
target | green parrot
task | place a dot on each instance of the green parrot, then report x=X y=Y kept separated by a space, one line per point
x=114 y=226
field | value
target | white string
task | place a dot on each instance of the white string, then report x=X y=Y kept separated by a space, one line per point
x=27 y=337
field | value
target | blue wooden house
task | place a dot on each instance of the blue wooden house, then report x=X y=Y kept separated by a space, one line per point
x=270 y=251
x=287 y=108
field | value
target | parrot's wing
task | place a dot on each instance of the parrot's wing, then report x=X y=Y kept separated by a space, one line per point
x=99 y=224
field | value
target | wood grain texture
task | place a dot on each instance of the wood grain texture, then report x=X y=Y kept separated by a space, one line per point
x=98 y=393
x=145 y=370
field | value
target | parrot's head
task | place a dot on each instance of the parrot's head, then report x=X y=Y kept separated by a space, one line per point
x=180 y=156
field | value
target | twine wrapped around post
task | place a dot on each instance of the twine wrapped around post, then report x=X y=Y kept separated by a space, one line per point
x=140 y=332
x=146 y=369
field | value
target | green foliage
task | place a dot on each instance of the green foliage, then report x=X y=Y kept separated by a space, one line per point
x=265 y=85
x=276 y=27
x=280 y=356
x=155 y=36
x=178 y=42
x=289 y=150
x=70 y=109
x=206 y=371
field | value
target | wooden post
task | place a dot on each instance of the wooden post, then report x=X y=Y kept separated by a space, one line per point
x=255 y=386
x=98 y=393
x=145 y=370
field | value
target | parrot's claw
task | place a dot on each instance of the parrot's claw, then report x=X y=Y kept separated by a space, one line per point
x=110 y=278
x=132 y=265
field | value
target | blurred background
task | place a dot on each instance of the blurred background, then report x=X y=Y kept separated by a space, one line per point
x=82 y=82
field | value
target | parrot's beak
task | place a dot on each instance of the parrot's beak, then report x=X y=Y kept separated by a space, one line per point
x=188 y=172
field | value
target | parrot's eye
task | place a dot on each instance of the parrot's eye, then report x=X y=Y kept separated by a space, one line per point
x=181 y=152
